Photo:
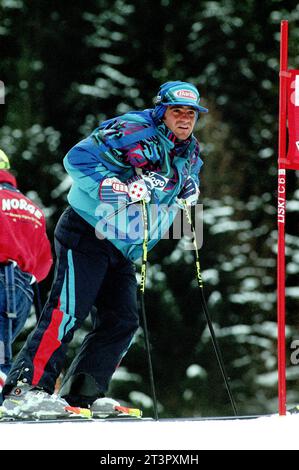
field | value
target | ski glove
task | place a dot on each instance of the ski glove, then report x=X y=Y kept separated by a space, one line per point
x=189 y=193
x=112 y=191
x=140 y=188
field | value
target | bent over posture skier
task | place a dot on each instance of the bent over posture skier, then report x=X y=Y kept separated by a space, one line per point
x=148 y=155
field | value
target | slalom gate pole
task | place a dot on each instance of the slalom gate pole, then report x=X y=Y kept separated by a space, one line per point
x=281 y=213
x=144 y=320
x=206 y=313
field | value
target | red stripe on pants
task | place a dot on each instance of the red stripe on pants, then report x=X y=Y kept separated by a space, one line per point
x=47 y=346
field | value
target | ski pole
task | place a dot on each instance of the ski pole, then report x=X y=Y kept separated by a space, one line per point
x=117 y=211
x=142 y=290
x=207 y=315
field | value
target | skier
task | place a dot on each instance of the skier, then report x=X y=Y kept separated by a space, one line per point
x=150 y=155
x=25 y=257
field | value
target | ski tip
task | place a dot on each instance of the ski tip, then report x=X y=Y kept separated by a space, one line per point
x=129 y=411
x=74 y=410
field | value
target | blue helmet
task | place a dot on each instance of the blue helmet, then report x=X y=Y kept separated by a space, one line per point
x=177 y=93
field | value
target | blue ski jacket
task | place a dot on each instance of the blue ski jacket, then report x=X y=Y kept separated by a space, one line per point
x=118 y=148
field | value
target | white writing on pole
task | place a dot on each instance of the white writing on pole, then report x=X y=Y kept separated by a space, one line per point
x=281 y=200
x=297 y=90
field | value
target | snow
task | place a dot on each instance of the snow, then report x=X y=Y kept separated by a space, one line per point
x=276 y=433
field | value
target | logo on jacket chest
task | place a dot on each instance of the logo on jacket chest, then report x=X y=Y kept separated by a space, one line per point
x=158 y=181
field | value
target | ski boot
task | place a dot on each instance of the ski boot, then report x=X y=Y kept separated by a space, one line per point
x=107 y=407
x=26 y=402
x=82 y=390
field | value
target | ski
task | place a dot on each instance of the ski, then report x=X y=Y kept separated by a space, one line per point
x=72 y=413
x=118 y=418
x=129 y=418
x=77 y=421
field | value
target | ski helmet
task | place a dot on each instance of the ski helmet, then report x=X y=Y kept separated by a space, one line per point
x=4 y=162
x=177 y=93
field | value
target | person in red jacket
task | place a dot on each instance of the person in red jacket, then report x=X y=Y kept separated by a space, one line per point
x=25 y=258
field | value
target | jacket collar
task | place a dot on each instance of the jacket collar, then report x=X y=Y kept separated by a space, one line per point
x=179 y=145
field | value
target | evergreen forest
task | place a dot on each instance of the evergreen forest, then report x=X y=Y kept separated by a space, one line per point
x=65 y=67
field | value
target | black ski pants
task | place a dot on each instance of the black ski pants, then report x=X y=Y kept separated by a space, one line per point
x=89 y=273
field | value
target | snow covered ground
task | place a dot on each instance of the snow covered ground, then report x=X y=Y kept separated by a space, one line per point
x=262 y=433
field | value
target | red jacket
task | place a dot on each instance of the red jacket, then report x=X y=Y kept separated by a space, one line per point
x=23 y=235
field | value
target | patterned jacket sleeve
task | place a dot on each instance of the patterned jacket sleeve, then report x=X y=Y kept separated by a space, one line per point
x=100 y=156
x=196 y=164
x=87 y=167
